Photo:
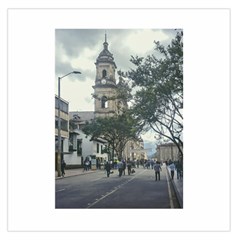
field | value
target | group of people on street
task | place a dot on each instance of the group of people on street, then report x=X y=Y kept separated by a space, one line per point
x=177 y=166
x=87 y=164
x=122 y=165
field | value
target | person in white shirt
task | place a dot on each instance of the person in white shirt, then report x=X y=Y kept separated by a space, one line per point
x=172 y=168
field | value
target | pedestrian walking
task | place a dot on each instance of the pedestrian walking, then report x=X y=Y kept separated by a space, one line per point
x=63 y=165
x=86 y=163
x=179 y=170
x=129 y=167
x=172 y=168
x=108 y=168
x=138 y=162
x=124 y=167
x=157 y=169
x=120 y=168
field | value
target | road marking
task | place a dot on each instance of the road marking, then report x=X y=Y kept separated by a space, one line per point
x=60 y=190
x=96 y=179
x=108 y=193
x=114 y=190
x=169 y=191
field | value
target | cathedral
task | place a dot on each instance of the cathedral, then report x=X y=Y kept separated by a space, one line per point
x=105 y=88
x=106 y=104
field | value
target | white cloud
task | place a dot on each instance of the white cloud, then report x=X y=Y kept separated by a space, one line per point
x=78 y=50
x=85 y=60
x=149 y=136
x=61 y=53
x=78 y=94
x=142 y=41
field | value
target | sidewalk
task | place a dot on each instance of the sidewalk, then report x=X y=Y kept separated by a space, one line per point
x=178 y=186
x=74 y=172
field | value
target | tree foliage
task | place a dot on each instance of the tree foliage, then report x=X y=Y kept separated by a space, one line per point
x=117 y=130
x=158 y=83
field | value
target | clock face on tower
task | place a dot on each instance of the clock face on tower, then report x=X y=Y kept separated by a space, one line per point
x=103 y=81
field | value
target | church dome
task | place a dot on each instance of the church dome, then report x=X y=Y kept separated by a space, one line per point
x=105 y=56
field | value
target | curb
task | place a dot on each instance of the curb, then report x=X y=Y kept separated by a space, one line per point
x=75 y=174
x=179 y=197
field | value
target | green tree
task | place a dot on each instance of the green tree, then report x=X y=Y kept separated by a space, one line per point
x=158 y=83
x=117 y=130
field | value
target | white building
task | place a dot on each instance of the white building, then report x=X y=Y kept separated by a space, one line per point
x=81 y=146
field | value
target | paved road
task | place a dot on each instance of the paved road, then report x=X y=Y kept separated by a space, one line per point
x=96 y=190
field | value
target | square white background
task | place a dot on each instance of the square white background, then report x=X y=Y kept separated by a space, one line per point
x=31 y=82
x=235 y=119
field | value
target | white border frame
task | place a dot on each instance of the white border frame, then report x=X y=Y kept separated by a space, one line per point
x=17 y=224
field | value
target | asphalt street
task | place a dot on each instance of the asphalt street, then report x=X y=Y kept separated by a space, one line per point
x=96 y=190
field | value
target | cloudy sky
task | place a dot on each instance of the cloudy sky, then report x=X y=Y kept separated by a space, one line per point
x=77 y=49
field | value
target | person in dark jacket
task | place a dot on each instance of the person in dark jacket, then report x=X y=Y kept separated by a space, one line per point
x=108 y=168
x=63 y=165
x=179 y=170
x=129 y=167
x=124 y=167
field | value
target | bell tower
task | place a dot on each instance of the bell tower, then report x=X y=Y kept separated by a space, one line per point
x=105 y=83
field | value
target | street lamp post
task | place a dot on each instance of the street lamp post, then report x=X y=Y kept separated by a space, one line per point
x=59 y=125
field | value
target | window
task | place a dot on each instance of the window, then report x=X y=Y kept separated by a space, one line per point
x=64 y=124
x=104 y=73
x=73 y=142
x=79 y=147
x=104 y=102
x=56 y=122
x=63 y=105
x=97 y=147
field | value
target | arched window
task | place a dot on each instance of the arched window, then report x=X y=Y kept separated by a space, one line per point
x=104 y=102
x=104 y=73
